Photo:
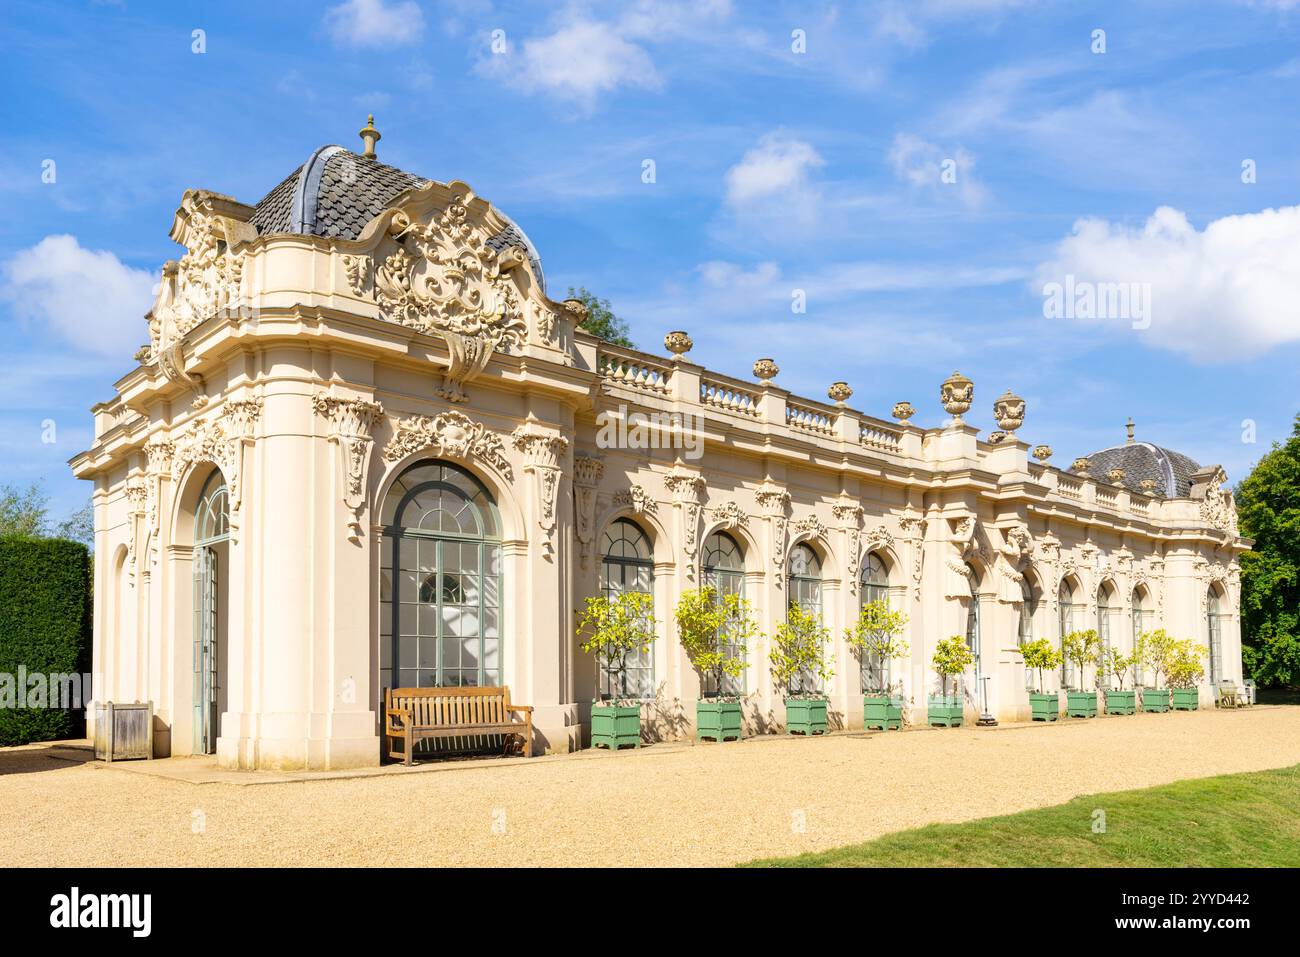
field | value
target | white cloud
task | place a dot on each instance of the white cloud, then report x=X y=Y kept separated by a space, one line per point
x=945 y=172
x=374 y=23
x=87 y=297
x=777 y=165
x=583 y=60
x=1228 y=292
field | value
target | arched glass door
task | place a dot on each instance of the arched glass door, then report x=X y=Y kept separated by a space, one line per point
x=1215 y=618
x=1105 y=631
x=1139 y=616
x=873 y=584
x=1028 y=607
x=724 y=572
x=440 y=581
x=973 y=626
x=211 y=532
x=1065 y=624
x=804 y=580
x=628 y=565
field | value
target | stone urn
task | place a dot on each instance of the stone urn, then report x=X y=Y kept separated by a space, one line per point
x=1009 y=411
x=1042 y=453
x=903 y=412
x=839 y=392
x=956 y=394
x=1080 y=466
x=1116 y=476
x=678 y=343
x=997 y=437
x=765 y=369
x=1148 y=486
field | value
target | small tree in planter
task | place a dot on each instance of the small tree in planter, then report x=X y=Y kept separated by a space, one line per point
x=876 y=640
x=1115 y=663
x=1040 y=656
x=706 y=623
x=800 y=667
x=952 y=656
x=1080 y=648
x=1155 y=650
x=1186 y=670
x=612 y=629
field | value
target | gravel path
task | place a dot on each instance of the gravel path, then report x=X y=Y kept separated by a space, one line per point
x=704 y=805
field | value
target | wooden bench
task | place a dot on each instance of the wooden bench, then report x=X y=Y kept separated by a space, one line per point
x=413 y=714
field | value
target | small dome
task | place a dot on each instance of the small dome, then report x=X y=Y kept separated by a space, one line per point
x=337 y=192
x=1171 y=470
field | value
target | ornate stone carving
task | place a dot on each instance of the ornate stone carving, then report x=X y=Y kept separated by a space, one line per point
x=765 y=369
x=542 y=453
x=451 y=434
x=730 y=515
x=637 y=499
x=678 y=343
x=1218 y=509
x=688 y=491
x=1009 y=411
x=1116 y=476
x=878 y=537
x=352 y=423
x=1148 y=486
x=809 y=527
x=903 y=412
x=207 y=280
x=839 y=392
x=1042 y=453
x=956 y=394
x=1080 y=467
x=587 y=473
x=775 y=504
x=137 y=498
x=444 y=279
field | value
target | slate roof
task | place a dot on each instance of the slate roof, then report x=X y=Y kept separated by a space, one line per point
x=1142 y=460
x=337 y=192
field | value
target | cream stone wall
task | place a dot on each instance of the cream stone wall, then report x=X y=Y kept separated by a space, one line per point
x=311 y=372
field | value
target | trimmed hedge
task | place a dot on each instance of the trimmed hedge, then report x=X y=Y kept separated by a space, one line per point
x=45 y=626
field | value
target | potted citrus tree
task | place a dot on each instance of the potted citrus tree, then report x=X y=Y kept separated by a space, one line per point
x=1080 y=648
x=952 y=656
x=1040 y=656
x=1115 y=663
x=706 y=624
x=612 y=629
x=1186 y=671
x=876 y=640
x=800 y=667
x=1154 y=650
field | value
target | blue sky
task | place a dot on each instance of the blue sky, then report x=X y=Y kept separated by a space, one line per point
x=775 y=169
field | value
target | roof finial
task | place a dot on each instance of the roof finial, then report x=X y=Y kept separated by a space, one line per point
x=370 y=136
x=1131 y=440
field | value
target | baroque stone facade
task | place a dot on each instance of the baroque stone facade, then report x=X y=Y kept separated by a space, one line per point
x=323 y=415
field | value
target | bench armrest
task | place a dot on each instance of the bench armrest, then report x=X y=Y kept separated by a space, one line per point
x=520 y=707
x=403 y=713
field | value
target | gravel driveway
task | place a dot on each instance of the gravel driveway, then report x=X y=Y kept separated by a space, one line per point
x=704 y=805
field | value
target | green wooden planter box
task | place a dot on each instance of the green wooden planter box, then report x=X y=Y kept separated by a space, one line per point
x=945 y=711
x=1155 y=699
x=717 y=720
x=615 y=726
x=882 y=712
x=1186 y=699
x=1121 y=702
x=1081 y=704
x=1044 y=707
x=805 y=715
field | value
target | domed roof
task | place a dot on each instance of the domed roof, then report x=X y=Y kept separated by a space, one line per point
x=1171 y=470
x=337 y=192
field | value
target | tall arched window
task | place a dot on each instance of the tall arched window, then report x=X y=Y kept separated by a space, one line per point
x=1028 y=607
x=211 y=532
x=440 y=581
x=1216 y=617
x=724 y=572
x=627 y=565
x=1065 y=622
x=973 y=623
x=804 y=581
x=1105 y=628
x=874 y=586
x=1139 y=619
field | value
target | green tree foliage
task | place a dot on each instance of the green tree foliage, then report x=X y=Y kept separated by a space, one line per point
x=707 y=624
x=876 y=640
x=799 y=659
x=613 y=628
x=952 y=656
x=24 y=513
x=1155 y=649
x=1041 y=655
x=1081 y=648
x=1268 y=510
x=601 y=320
x=45 y=631
x=1115 y=663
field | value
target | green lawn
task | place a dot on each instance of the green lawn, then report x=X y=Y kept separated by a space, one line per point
x=1237 y=820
